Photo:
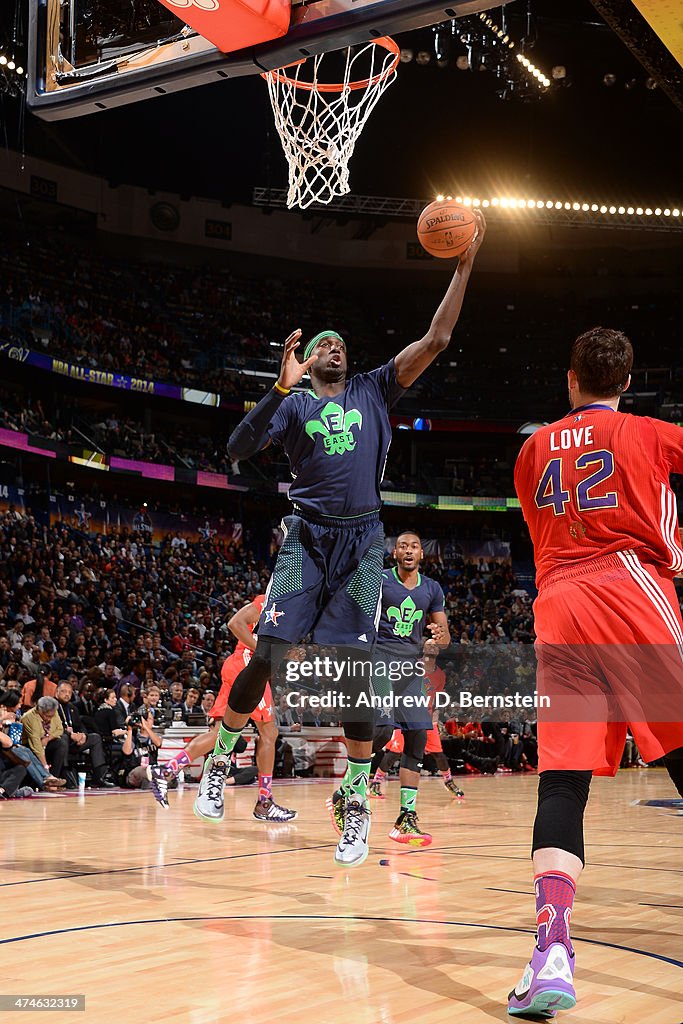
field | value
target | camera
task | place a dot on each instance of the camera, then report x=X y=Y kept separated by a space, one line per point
x=135 y=718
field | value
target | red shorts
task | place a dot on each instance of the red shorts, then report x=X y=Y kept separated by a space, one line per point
x=395 y=744
x=610 y=657
x=232 y=667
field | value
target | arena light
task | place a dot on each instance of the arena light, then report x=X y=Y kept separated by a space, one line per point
x=535 y=72
x=563 y=207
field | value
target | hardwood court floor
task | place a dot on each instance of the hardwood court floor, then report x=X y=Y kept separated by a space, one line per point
x=156 y=916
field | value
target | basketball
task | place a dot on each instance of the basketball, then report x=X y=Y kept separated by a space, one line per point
x=445 y=228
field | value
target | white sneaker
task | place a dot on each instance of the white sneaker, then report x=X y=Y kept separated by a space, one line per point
x=208 y=803
x=352 y=848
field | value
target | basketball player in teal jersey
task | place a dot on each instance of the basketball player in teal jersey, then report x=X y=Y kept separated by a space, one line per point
x=412 y=616
x=328 y=576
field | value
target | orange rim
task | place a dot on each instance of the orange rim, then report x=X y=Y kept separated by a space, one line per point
x=385 y=41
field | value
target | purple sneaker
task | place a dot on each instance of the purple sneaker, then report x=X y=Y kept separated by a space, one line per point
x=547 y=984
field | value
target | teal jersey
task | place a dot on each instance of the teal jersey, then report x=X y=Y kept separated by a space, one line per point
x=405 y=612
x=337 y=447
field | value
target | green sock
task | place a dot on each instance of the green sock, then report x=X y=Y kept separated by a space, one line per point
x=226 y=740
x=355 y=781
x=408 y=798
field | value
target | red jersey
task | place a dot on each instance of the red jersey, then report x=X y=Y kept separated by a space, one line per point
x=597 y=482
x=435 y=683
x=241 y=648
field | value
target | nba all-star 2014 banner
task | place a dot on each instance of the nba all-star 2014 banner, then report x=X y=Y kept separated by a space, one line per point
x=92 y=375
x=92 y=516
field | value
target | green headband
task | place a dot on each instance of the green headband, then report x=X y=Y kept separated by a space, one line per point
x=314 y=341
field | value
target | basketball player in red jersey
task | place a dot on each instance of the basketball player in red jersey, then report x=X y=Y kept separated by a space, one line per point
x=242 y=626
x=594 y=489
x=435 y=682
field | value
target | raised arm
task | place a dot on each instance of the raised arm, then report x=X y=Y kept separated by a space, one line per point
x=414 y=360
x=251 y=435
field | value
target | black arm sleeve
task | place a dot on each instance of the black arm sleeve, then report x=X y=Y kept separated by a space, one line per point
x=251 y=434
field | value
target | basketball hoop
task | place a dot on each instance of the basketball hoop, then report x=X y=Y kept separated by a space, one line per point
x=319 y=123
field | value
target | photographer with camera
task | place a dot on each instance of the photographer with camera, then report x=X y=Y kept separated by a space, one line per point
x=140 y=747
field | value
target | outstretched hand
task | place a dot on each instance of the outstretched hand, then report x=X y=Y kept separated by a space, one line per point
x=471 y=251
x=291 y=370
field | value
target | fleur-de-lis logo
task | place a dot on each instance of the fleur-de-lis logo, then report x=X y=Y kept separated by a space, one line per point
x=335 y=426
x=406 y=617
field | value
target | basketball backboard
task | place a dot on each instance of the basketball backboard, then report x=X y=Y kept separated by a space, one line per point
x=91 y=55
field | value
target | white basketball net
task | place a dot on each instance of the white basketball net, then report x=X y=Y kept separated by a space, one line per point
x=319 y=124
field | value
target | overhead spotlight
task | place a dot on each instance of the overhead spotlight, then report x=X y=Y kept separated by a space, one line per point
x=11 y=65
x=558 y=205
x=594 y=207
x=603 y=209
x=650 y=83
x=20 y=71
x=423 y=58
x=676 y=213
x=559 y=72
x=3 y=59
x=440 y=198
x=612 y=210
x=462 y=63
x=576 y=206
x=648 y=211
x=585 y=207
x=621 y=210
x=609 y=80
x=639 y=211
x=406 y=56
x=630 y=211
x=658 y=212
